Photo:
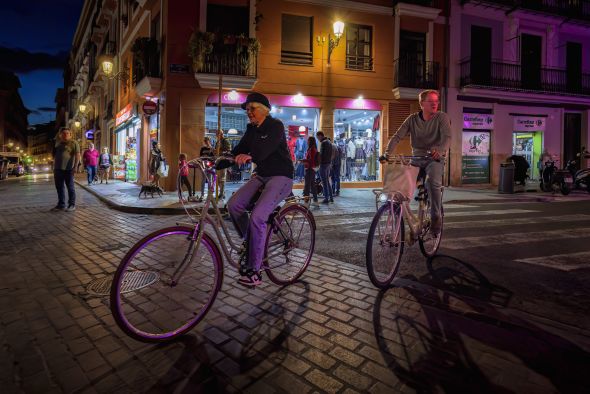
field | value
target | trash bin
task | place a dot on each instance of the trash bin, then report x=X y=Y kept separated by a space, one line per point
x=506 y=182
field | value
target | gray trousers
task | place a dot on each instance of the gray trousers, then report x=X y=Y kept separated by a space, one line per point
x=254 y=228
x=434 y=175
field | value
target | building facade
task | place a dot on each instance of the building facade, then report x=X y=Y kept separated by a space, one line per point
x=519 y=83
x=182 y=68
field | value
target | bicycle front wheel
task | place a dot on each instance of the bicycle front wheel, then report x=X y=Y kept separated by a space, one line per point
x=385 y=244
x=152 y=304
x=289 y=244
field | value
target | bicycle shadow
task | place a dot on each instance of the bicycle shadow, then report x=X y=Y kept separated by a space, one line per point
x=449 y=336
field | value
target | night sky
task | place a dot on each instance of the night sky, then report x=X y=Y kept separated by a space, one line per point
x=35 y=38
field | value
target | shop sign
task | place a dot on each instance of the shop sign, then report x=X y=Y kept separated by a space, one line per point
x=475 y=169
x=475 y=143
x=529 y=123
x=123 y=115
x=478 y=121
x=358 y=103
x=149 y=107
x=89 y=134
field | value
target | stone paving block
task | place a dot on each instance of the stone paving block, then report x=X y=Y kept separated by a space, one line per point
x=289 y=382
x=319 y=358
x=350 y=376
x=90 y=360
x=340 y=327
x=317 y=342
x=383 y=374
x=97 y=332
x=323 y=381
x=315 y=328
x=39 y=383
x=345 y=341
x=295 y=365
x=346 y=356
x=71 y=379
x=315 y=316
x=340 y=315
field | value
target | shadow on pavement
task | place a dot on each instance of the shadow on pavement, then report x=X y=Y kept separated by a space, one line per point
x=449 y=337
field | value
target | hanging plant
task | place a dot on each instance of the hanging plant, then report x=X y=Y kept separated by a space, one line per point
x=199 y=46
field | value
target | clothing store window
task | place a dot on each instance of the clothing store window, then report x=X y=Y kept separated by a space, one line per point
x=359 y=42
x=356 y=134
x=296 y=39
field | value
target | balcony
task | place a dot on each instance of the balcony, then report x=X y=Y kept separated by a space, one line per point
x=509 y=76
x=571 y=9
x=234 y=57
x=147 y=77
x=424 y=3
x=411 y=73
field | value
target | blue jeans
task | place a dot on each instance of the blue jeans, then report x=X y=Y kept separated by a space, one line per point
x=325 y=177
x=335 y=178
x=64 y=178
x=91 y=171
x=254 y=228
x=434 y=174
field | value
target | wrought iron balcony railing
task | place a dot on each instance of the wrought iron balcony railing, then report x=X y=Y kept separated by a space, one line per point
x=510 y=76
x=425 y=3
x=574 y=9
x=412 y=73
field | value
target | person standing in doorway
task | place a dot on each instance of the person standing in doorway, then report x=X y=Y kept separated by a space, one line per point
x=222 y=146
x=325 y=166
x=66 y=156
x=90 y=160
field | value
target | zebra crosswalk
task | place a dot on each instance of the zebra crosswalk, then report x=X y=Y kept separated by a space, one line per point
x=503 y=229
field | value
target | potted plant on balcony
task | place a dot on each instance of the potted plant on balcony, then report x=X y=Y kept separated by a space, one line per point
x=199 y=46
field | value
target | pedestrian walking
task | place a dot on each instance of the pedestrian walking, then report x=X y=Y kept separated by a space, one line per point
x=206 y=151
x=66 y=157
x=222 y=146
x=310 y=162
x=183 y=172
x=104 y=165
x=90 y=161
x=325 y=166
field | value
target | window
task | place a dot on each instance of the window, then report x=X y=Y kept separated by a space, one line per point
x=359 y=41
x=296 y=39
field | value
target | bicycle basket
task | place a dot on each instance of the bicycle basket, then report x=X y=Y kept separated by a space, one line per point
x=400 y=178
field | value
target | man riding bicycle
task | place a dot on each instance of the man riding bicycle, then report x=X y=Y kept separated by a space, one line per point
x=430 y=134
x=264 y=144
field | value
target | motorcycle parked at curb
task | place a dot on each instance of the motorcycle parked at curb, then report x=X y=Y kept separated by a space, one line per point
x=553 y=179
x=581 y=178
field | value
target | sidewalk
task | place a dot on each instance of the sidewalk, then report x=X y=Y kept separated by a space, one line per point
x=124 y=196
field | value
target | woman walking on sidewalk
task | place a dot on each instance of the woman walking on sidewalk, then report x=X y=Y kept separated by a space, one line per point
x=90 y=159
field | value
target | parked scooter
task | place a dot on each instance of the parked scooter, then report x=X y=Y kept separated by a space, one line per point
x=553 y=179
x=581 y=178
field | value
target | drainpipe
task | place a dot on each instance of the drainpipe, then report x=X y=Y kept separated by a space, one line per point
x=445 y=85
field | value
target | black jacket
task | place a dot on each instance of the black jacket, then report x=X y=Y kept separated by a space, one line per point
x=268 y=147
x=326 y=151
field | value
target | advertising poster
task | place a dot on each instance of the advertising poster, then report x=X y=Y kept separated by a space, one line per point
x=475 y=167
x=119 y=167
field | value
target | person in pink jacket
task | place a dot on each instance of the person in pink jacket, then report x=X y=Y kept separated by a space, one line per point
x=90 y=159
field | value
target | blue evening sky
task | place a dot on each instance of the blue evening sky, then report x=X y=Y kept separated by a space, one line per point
x=38 y=26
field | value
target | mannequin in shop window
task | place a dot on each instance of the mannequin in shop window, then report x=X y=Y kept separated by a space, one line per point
x=369 y=146
x=300 y=152
x=156 y=160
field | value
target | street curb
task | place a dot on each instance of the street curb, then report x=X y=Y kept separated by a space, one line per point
x=139 y=210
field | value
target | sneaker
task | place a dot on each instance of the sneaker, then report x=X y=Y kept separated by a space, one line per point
x=315 y=203
x=71 y=208
x=252 y=279
x=435 y=227
x=331 y=200
x=325 y=201
x=57 y=208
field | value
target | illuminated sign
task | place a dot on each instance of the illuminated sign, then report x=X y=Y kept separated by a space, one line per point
x=123 y=115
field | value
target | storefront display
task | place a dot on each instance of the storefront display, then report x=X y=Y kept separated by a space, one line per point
x=475 y=148
x=527 y=139
x=126 y=155
x=357 y=136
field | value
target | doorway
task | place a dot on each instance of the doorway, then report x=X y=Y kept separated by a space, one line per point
x=530 y=61
x=572 y=136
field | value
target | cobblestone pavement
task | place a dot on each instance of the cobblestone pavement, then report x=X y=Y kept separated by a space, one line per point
x=331 y=332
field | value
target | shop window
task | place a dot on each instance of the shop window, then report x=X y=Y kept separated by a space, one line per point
x=359 y=43
x=296 y=39
x=357 y=134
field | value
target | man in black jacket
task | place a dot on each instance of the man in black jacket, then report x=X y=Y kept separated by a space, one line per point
x=264 y=144
x=325 y=166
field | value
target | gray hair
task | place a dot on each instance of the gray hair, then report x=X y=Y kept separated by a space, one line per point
x=423 y=95
x=263 y=107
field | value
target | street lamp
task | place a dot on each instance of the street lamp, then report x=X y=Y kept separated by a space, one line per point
x=333 y=42
x=82 y=107
x=77 y=124
x=107 y=63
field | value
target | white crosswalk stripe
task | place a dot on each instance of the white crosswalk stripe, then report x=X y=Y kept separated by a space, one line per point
x=564 y=262
x=515 y=221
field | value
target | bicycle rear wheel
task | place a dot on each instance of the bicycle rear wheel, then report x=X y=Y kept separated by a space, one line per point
x=429 y=244
x=385 y=244
x=289 y=244
x=146 y=303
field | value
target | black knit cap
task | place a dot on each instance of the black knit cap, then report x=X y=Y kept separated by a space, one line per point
x=256 y=98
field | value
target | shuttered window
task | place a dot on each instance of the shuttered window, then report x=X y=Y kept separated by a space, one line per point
x=296 y=39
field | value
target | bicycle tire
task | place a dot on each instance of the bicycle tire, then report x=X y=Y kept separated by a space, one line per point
x=429 y=244
x=161 y=310
x=383 y=252
x=286 y=268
